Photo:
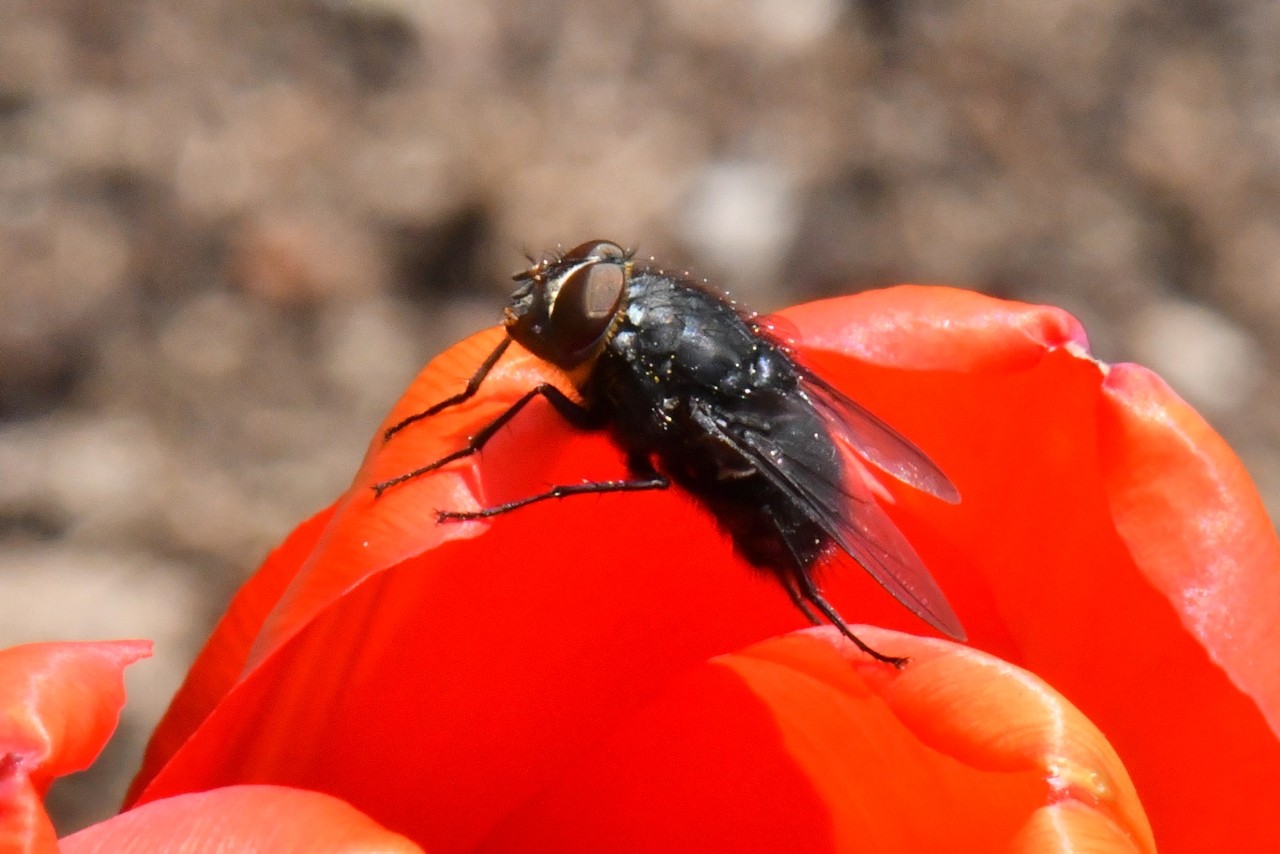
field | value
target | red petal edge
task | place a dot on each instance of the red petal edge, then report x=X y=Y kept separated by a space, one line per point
x=241 y=818
x=60 y=703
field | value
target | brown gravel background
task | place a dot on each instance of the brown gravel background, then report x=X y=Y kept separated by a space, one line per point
x=230 y=232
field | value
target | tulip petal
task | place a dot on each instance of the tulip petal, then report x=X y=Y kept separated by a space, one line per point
x=1197 y=529
x=800 y=743
x=922 y=328
x=59 y=703
x=1201 y=539
x=1069 y=827
x=240 y=818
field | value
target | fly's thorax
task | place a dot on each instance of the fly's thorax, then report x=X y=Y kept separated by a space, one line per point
x=676 y=332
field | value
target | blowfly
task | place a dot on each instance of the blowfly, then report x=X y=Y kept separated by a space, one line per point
x=699 y=395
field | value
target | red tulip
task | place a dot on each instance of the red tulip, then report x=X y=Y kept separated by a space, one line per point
x=603 y=674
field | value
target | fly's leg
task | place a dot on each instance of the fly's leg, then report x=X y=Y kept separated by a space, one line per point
x=789 y=584
x=645 y=479
x=473 y=385
x=809 y=591
x=592 y=488
x=575 y=413
x=800 y=586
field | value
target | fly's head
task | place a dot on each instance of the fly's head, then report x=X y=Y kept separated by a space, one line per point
x=566 y=308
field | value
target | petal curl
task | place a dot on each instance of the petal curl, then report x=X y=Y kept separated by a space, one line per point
x=59 y=703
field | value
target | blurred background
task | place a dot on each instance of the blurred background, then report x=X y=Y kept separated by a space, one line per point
x=232 y=231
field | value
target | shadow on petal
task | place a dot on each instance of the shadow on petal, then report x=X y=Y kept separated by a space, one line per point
x=801 y=744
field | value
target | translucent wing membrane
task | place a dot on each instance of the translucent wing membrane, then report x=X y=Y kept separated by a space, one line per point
x=877 y=442
x=852 y=424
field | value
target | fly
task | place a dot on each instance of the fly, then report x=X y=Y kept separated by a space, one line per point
x=703 y=397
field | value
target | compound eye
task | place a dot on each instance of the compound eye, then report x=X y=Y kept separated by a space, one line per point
x=585 y=305
x=597 y=250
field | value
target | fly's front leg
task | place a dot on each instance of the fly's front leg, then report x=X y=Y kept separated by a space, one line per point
x=574 y=413
x=473 y=385
x=644 y=478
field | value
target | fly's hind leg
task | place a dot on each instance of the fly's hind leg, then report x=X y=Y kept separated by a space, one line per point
x=809 y=591
x=798 y=581
x=793 y=591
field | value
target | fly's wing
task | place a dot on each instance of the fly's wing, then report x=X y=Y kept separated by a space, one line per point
x=877 y=442
x=843 y=507
x=855 y=426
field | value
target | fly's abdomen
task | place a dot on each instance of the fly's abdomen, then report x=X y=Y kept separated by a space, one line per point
x=734 y=460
